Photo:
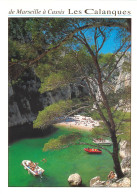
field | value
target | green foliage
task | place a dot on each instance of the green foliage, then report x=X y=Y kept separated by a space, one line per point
x=30 y=37
x=118 y=115
x=61 y=141
x=51 y=113
x=124 y=133
x=18 y=51
x=95 y=115
x=100 y=131
x=123 y=124
x=43 y=70
x=126 y=67
x=61 y=69
x=123 y=94
x=104 y=58
x=55 y=80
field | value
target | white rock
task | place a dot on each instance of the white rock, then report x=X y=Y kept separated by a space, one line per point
x=93 y=180
x=113 y=185
x=125 y=182
x=75 y=179
x=123 y=149
x=99 y=184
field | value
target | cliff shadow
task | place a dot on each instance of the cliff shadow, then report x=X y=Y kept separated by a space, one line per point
x=27 y=131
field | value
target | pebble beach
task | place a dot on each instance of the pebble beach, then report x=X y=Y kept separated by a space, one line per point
x=79 y=122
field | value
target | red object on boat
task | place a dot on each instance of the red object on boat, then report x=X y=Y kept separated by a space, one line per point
x=93 y=151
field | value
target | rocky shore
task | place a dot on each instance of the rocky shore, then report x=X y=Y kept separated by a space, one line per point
x=125 y=154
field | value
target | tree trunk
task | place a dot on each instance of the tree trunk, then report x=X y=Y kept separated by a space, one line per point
x=115 y=156
x=110 y=121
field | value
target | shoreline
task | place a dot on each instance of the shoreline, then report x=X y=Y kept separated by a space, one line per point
x=79 y=122
x=72 y=126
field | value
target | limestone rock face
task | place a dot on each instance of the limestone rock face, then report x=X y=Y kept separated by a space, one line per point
x=25 y=99
x=125 y=182
x=93 y=180
x=124 y=152
x=99 y=184
x=126 y=165
x=75 y=179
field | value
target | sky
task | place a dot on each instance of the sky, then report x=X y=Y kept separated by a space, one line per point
x=109 y=44
x=112 y=43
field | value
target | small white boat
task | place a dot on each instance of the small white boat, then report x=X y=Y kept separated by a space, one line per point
x=35 y=170
x=102 y=141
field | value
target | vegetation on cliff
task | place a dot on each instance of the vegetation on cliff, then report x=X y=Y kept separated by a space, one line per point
x=67 y=51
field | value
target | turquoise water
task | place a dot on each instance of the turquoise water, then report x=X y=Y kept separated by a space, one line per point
x=60 y=163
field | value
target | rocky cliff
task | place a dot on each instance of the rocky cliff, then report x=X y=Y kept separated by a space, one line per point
x=25 y=101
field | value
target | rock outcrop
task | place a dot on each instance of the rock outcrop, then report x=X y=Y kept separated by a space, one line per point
x=125 y=154
x=75 y=179
x=96 y=182
x=25 y=100
x=124 y=182
x=124 y=77
x=124 y=150
x=126 y=166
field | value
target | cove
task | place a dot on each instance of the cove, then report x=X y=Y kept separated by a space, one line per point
x=60 y=163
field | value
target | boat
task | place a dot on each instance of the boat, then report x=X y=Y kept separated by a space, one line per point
x=101 y=141
x=93 y=151
x=32 y=168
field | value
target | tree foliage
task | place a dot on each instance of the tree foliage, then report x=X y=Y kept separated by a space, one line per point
x=82 y=62
x=55 y=80
x=52 y=113
x=62 y=141
x=45 y=35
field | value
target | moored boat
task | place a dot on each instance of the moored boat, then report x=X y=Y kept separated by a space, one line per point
x=32 y=168
x=93 y=151
x=101 y=141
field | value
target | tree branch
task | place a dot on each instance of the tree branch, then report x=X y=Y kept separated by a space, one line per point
x=83 y=143
x=104 y=39
x=29 y=63
x=114 y=54
x=94 y=97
